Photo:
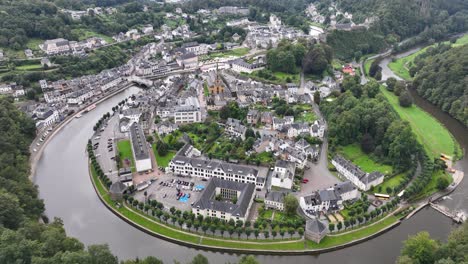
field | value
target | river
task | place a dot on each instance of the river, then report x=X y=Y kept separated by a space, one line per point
x=64 y=184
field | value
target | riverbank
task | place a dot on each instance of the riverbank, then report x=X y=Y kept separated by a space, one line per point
x=158 y=229
x=36 y=155
x=438 y=141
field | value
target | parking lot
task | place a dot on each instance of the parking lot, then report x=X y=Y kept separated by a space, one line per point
x=104 y=142
x=179 y=192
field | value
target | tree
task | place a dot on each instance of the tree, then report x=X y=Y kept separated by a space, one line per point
x=331 y=227
x=367 y=143
x=11 y=213
x=391 y=82
x=405 y=99
x=266 y=234
x=317 y=97
x=442 y=183
x=290 y=204
x=248 y=260
x=162 y=148
x=339 y=226
x=101 y=254
x=421 y=248
x=199 y=259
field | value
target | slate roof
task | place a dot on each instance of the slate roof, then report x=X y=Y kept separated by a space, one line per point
x=117 y=187
x=315 y=226
x=138 y=142
x=212 y=165
x=276 y=196
x=207 y=199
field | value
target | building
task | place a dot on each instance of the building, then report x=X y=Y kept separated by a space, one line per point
x=240 y=65
x=139 y=148
x=187 y=60
x=165 y=127
x=187 y=111
x=225 y=200
x=315 y=230
x=197 y=167
x=117 y=190
x=252 y=116
x=79 y=97
x=283 y=174
x=353 y=173
x=235 y=128
x=45 y=117
x=56 y=46
x=195 y=48
x=275 y=200
x=215 y=84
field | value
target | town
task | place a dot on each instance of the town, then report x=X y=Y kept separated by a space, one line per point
x=234 y=128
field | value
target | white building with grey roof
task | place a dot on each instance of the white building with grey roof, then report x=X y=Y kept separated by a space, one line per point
x=283 y=174
x=140 y=149
x=225 y=200
x=358 y=177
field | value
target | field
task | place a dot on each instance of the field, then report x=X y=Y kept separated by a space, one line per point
x=295 y=78
x=367 y=65
x=125 y=152
x=401 y=66
x=308 y=117
x=85 y=34
x=239 y=52
x=163 y=161
x=354 y=153
x=29 y=67
x=439 y=140
x=392 y=183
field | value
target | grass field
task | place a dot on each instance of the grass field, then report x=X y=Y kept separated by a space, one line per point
x=163 y=161
x=29 y=67
x=392 y=183
x=330 y=241
x=308 y=117
x=401 y=66
x=430 y=133
x=239 y=52
x=354 y=153
x=283 y=76
x=367 y=65
x=125 y=152
x=86 y=33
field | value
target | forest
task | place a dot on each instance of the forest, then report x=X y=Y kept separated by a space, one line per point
x=361 y=114
x=421 y=248
x=440 y=76
x=422 y=20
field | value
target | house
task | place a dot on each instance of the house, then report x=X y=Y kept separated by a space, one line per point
x=317 y=129
x=225 y=200
x=147 y=29
x=330 y=199
x=46 y=62
x=348 y=69
x=315 y=230
x=28 y=53
x=215 y=84
x=235 y=128
x=140 y=148
x=253 y=116
x=275 y=200
x=79 y=97
x=267 y=119
x=165 y=127
x=358 y=177
x=45 y=117
x=283 y=174
x=278 y=123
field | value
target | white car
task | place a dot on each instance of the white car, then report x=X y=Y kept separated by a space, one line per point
x=38 y=144
x=34 y=150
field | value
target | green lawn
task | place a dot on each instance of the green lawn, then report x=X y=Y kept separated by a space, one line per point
x=392 y=182
x=29 y=67
x=330 y=241
x=354 y=153
x=163 y=161
x=238 y=52
x=295 y=77
x=125 y=152
x=435 y=138
x=33 y=44
x=268 y=214
x=206 y=92
x=86 y=33
x=308 y=117
x=367 y=65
